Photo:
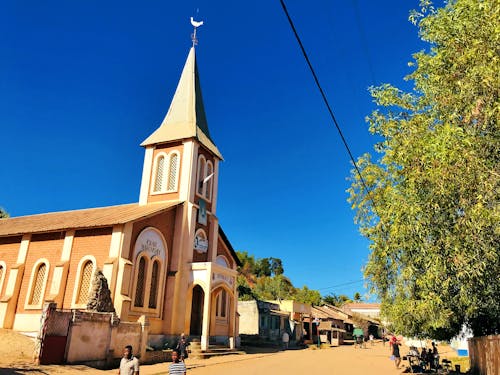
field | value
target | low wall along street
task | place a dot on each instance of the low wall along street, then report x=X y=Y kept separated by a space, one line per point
x=91 y=338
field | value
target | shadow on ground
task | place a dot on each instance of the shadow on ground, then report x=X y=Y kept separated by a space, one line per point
x=21 y=370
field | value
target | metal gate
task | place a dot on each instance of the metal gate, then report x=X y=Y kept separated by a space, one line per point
x=53 y=335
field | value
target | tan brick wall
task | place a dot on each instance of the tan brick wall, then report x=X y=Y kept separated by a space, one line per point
x=48 y=246
x=94 y=242
x=9 y=249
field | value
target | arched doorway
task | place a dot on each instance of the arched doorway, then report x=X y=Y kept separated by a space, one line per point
x=221 y=322
x=197 y=311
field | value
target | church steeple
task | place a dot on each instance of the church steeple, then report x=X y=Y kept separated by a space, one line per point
x=186 y=116
x=181 y=160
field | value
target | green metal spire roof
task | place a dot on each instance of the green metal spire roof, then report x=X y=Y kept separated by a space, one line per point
x=186 y=116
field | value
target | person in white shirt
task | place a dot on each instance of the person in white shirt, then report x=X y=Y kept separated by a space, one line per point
x=129 y=365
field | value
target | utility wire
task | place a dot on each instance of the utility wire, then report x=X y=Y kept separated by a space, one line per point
x=343 y=284
x=326 y=101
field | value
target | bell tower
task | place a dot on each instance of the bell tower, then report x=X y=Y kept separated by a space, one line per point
x=181 y=161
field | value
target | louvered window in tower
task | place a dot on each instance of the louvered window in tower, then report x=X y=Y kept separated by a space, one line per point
x=201 y=174
x=172 y=173
x=160 y=168
x=208 y=179
x=154 y=284
x=141 y=281
x=85 y=282
x=38 y=285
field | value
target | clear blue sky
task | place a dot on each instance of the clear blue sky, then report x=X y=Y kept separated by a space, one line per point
x=83 y=83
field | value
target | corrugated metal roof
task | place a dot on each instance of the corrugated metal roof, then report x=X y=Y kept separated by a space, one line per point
x=78 y=219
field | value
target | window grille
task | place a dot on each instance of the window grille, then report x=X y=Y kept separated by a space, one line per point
x=141 y=278
x=160 y=166
x=201 y=174
x=217 y=305
x=85 y=282
x=36 y=294
x=172 y=173
x=154 y=285
x=208 y=189
x=223 y=304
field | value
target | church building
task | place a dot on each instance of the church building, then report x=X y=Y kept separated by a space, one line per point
x=165 y=257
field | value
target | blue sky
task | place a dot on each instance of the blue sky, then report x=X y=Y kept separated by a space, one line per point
x=83 y=83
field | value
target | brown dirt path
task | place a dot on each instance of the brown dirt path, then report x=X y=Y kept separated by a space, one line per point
x=16 y=352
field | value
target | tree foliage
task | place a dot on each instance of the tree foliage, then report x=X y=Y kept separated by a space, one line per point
x=432 y=214
x=264 y=279
x=336 y=300
x=3 y=214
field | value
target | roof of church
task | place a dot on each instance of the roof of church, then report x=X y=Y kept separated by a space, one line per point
x=186 y=116
x=78 y=219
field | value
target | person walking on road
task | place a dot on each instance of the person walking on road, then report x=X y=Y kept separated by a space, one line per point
x=285 y=338
x=181 y=347
x=129 y=365
x=176 y=367
x=395 y=351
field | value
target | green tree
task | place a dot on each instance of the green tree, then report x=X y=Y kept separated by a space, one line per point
x=274 y=287
x=432 y=214
x=247 y=269
x=245 y=292
x=3 y=214
x=357 y=297
x=336 y=300
x=306 y=295
x=276 y=266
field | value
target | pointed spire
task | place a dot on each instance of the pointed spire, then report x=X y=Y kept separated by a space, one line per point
x=186 y=115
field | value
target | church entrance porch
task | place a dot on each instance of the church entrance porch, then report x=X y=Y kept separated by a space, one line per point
x=217 y=309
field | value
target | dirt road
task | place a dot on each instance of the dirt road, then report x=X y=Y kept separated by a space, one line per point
x=344 y=360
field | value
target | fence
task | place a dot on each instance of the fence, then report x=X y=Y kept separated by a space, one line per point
x=484 y=355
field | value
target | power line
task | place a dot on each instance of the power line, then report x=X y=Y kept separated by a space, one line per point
x=326 y=102
x=343 y=284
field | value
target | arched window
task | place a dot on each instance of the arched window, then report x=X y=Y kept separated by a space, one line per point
x=149 y=259
x=173 y=172
x=209 y=178
x=141 y=283
x=38 y=284
x=221 y=304
x=155 y=280
x=159 y=174
x=201 y=175
x=86 y=273
x=222 y=261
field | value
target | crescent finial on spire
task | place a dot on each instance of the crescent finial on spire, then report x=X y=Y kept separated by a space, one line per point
x=195 y=24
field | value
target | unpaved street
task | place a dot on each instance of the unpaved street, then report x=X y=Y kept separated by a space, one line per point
x=344 y=360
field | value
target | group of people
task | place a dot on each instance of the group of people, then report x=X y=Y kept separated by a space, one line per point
x=428 y=358
x=129 y=364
